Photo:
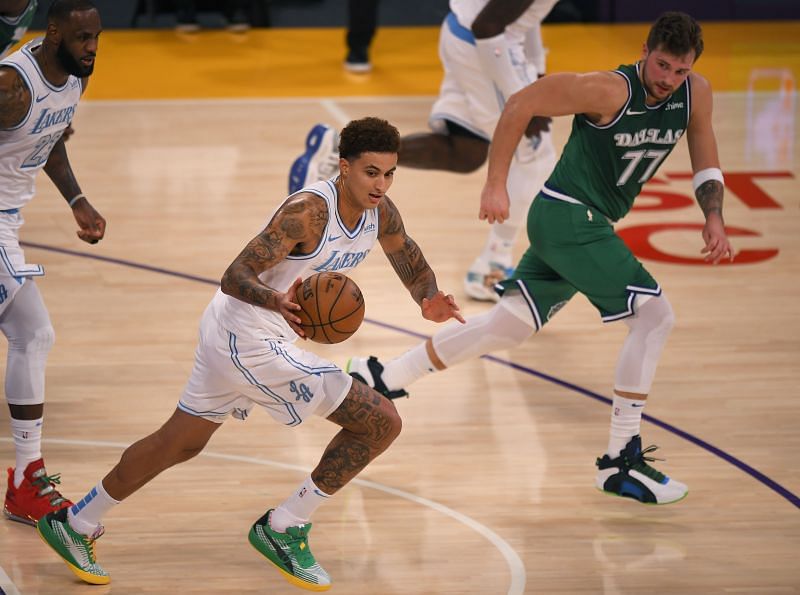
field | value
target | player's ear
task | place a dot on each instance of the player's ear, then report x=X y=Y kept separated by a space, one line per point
x=645 y=51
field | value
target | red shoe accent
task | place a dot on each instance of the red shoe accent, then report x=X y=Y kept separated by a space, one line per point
x=35 y=497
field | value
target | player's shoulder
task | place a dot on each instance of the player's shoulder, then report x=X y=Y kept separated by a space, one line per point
x=304 y=202
x=699 y=83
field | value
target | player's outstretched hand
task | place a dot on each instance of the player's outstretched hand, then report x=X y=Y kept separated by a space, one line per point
x=441 y=307
x=287 y=306
x=717 y=247
x=91 y=223
x=494 y=203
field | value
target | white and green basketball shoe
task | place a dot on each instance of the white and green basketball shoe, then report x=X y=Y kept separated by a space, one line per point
x=75 y=549
x=289 y=553
x=629 y=476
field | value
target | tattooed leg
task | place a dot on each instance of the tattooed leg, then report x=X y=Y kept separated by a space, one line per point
x=370 y=423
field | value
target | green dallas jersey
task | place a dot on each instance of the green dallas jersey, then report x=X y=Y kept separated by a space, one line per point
x=606 y=166
x=13 y=28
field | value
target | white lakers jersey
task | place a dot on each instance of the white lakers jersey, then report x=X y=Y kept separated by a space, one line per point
x=25 y=148
x=340 y=249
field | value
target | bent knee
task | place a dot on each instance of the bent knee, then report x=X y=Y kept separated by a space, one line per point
x=39 y=340
x=394 y=423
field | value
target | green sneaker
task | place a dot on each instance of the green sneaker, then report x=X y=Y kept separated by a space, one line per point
x=289 y=552
x=75 y=549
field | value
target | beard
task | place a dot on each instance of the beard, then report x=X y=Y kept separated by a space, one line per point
x=70 y=64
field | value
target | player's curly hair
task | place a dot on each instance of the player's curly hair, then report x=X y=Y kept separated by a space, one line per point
x=368 y=135
x=676 y=33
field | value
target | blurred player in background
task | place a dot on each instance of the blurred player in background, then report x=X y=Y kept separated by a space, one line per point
x=490 y=49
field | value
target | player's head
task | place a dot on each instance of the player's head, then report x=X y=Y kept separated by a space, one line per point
x=367 y=159
x=73 y=27
x=673 y=45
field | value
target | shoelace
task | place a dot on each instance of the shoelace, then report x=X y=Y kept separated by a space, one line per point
x=640 y=464
x=47 y=485
x=90 y=542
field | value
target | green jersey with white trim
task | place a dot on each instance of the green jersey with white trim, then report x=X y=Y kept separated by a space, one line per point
x=606 y=166
x=13 y=28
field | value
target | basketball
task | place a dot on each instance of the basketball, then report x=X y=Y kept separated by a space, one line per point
x=332 y=307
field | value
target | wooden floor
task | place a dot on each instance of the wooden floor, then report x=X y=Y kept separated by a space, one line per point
x=489 y=489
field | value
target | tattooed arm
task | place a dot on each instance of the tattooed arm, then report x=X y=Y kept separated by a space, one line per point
x=704 y=156
x=15 y=98
x=296 y=228
x=412 y=268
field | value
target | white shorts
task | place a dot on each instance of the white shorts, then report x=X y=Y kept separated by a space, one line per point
x=233 y=373
x=13 y=268
x=467 y=96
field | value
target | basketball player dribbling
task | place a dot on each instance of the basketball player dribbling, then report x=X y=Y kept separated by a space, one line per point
x=246 y=356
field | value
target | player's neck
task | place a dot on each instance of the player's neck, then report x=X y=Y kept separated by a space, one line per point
x=349 y=211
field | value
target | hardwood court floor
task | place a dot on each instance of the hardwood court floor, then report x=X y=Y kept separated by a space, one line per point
x=489 y=489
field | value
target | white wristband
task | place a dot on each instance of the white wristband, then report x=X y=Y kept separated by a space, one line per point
x=704 y=175
x=75 y=199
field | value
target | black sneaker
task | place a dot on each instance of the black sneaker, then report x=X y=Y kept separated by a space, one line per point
x=368 y=371
x=630 y=476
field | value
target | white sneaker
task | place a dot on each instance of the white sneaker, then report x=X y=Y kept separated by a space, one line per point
x=481 y=278
x=320 y=161
x=630 y=476
x=369 y=370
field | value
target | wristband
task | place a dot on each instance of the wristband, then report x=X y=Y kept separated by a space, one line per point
x=704 y=175
x=75 y=199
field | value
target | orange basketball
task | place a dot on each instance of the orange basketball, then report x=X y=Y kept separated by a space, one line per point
x=332 y=307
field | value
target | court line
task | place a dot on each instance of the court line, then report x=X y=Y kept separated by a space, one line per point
x=515 y=564
x=7 y=586
x=718 y=452
x=322 y=100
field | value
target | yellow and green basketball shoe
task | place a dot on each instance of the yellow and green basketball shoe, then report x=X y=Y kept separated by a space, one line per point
x=289 y=552
x=75 y=549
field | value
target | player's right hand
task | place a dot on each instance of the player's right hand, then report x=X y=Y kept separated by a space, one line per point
x=287 y=306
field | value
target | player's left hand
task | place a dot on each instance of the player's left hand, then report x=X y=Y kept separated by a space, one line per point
x=494 y=204
x=441 y=307
x=717 y=245
x=91 y=223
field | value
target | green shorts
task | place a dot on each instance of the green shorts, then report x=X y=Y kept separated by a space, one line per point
x=575 y=249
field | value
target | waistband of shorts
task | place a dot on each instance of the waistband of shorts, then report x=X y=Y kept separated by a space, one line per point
x=549 y=192
x=458 y=29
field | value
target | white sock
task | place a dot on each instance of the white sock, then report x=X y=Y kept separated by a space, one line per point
x=27 y=435
x=85 y=516
x=409 y=367
x=297 y=509
x=626 y=419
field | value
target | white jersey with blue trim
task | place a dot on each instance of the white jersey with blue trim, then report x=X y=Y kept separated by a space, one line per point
x=340 y=249
x=25 y=148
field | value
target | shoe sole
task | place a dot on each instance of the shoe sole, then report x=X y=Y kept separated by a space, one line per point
x=19 y=519
x=615 y=495
x=289 y=577
x=86 y=577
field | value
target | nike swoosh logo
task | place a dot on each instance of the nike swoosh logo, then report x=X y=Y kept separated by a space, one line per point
x=42 y=98
x=635 y=405
x=333 y=238
x=630 y=112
